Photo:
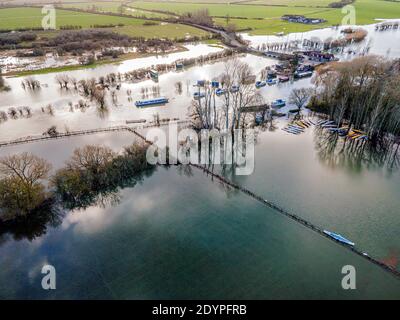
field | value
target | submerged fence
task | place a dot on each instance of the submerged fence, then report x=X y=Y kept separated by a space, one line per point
x=215 y=175
x=296 y=218
x=85 y=132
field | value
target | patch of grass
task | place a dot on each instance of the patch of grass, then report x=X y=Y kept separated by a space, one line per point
x=114 y=7
x=98 y=63
x=13 y=18
x=271 y=26
x=233 y=10
x=101 y=6
x=263 y=19
x=31 y=17
x=293 y=3
x=58 y=69
x=162 y=30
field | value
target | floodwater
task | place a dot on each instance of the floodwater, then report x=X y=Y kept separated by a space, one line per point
x=124 y=109
x=180 y=235
x=383 y=43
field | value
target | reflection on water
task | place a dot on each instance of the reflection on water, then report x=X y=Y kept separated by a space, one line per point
x=52 y=211
x=169 y=85
x=336 y=152
x=385 y=43
x=181 y=237
x=177 y=235
x=34 y=226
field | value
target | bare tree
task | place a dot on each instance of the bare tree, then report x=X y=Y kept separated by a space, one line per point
x=299 y=97
x=91 y=157
x=27 y=167
x=225 y=111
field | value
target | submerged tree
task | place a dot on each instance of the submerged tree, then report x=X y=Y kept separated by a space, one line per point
x=363 y=93
x=237 y=92
x=299 y=97
x=3 y=86
x=21 y=187
x=95 y=173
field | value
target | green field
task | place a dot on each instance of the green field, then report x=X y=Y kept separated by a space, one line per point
x=101 y=6
x=264 y=19
x=31 y=17
x=293 y=3
x=233 y=10
x=112 y=6
x=261 y=16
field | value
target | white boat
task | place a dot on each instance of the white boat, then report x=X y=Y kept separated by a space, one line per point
x=339 y=237
x=198 y=95
x=296 y=127
x=290 y=131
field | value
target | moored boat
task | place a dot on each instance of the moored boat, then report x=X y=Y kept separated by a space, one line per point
x=219 y=92
x=150 y=102
x=260 y=84
x=279 y=103
x=234 y=89
x=198 y=95
x=339 y=237
x=283 y=79
x=305 y=74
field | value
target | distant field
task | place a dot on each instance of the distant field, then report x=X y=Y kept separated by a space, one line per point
x=170 y=31
x=31 y=17
x=294 y=3
x=233 y=10
x=263 y=2
x=366 y=12
x=114 y=6
x=261 y=16
x=101 y=6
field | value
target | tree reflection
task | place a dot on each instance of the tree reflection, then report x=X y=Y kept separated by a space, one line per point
x=93 y=176
x=49 y=214
x=335 y=151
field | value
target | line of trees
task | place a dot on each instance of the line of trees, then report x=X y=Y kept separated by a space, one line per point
x=239 y=92
x=92 y=176
x=362 y=93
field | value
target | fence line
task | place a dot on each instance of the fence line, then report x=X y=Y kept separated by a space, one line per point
x=84 y=132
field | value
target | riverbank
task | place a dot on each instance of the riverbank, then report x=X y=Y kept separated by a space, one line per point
x=97 y=63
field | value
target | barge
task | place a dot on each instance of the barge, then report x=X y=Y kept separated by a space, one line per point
x=151 y=102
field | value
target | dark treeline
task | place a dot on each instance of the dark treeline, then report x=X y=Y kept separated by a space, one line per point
x=88 y=87
x=8 y=39
x=89 y=40
x=354 y=155
x=362 y=94
x=31 y=198
x=201 y=17
x=94 y=174
x=341 y=3
x=72 y=39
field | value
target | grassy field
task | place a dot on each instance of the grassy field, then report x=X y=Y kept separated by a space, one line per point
x=102 y=6
x=31 y=17
x=293 y=3
x=262 y=16
x=297 y=3
x=233 y=10
x=366 y=12
x=112 y=6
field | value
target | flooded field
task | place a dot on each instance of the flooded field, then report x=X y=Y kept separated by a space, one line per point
x=219 y=241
